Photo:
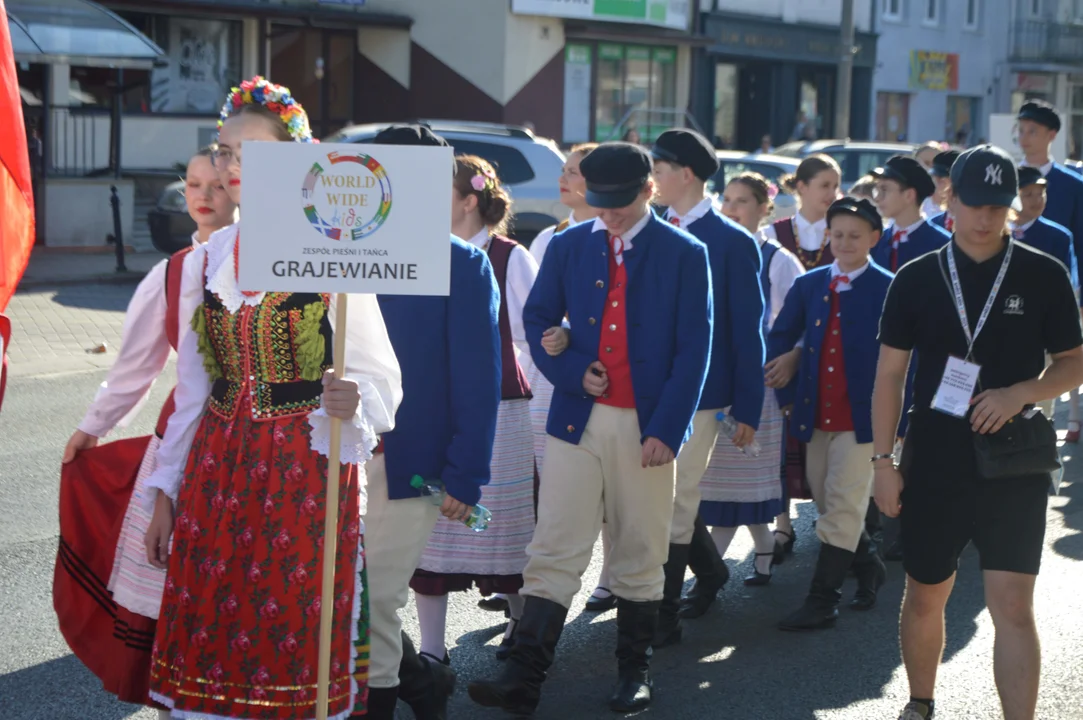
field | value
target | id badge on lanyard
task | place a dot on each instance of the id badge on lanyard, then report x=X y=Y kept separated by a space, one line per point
x=961 y=375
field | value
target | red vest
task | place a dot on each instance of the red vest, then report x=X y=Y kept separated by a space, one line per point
x=513 y=382
x=174 y=269
x=613 y=346
x=834 y=413
x=787 y=238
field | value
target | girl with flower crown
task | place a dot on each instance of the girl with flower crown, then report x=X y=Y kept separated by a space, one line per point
x=738 y=488
x=103 y=519
x=242 y=472
x=456 y=558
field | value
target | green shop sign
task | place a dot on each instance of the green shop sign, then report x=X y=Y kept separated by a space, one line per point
x=665 y=13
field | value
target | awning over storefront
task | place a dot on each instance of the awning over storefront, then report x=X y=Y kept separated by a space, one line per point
x=76 y=32
x=629 y=33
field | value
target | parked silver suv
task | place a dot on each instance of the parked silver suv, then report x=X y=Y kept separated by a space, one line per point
x=528 y=166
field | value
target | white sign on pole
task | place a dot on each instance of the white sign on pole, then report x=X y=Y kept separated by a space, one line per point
x=1004 y=133
x=341 y=218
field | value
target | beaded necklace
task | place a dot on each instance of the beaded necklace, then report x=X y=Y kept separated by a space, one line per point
x=806 y=257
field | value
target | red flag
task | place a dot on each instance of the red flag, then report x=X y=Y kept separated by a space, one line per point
x=16 y=198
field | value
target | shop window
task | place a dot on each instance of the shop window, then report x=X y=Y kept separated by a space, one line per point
x=511 y=166
x=931 y=15
x=725 y=105
x=973 y=14
x=892 y=10
x=637 y=89
x=892 y=116
x=961 y=121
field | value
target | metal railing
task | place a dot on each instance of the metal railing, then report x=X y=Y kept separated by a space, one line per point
x=78 y=141
x=1046 y=41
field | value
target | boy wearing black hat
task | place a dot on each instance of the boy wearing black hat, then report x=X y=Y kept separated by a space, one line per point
x=683 y=163
x=637 y=294
x=902 y=186
x=941 y=173
x=1008 y=306
x=836 y=310
x=444 y=430
x=1039 y=124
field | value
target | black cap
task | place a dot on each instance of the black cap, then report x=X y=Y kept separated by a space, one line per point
x=862 y=208
x=909 y=173
x=615 y=173
x=942 y=163
x=409 y=135
x=1030 y=176
x=689 y=149
x=985 y=175
x=1040 y=112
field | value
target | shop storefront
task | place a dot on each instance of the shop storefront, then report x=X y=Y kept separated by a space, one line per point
x=759 y=77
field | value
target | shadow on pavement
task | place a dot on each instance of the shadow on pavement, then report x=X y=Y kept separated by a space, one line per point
x=60 y=688
x=1071 y=546
x=94 y=297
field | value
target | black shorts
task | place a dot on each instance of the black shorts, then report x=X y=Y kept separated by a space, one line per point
x=946 y=506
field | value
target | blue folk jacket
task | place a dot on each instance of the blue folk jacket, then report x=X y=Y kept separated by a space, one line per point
x=929 y=237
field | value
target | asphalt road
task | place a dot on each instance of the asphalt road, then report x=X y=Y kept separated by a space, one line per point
x=732 y=664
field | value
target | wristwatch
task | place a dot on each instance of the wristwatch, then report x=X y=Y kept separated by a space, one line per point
x=884 y=456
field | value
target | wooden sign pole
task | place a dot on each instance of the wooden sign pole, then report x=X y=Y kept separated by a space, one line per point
x=330 y=527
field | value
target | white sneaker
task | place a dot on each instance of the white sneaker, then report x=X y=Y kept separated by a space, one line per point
x=913 y=711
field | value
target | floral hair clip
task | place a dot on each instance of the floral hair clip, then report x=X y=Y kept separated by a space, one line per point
x=772 y=191
x=276 y=98
x=483 y=180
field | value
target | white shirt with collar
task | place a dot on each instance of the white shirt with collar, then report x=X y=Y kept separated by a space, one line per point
x=1043 y=169
x=930 y=208
x=541 y=242
x=701 y=208
x=522 y=270
x=810 y=235
x=1024 y=227
x=851 y=276
x=783 y=270
x=628 y=236
x=892 y=229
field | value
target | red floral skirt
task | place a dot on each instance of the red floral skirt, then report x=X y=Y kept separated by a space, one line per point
x=239 y=629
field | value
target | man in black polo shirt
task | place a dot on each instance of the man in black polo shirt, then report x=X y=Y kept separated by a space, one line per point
x=1017 y=304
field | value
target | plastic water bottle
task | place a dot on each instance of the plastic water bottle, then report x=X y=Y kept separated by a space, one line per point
x=478 y=520
x=728 y=426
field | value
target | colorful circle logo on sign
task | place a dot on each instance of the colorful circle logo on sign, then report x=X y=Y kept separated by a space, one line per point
x=348 y=197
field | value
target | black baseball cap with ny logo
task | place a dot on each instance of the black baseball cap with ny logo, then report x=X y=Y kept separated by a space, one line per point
x=985 y=175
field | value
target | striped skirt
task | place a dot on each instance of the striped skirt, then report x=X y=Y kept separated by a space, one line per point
x=739 y=489
x=135 y=583
x=539 y=413
x=456 y=557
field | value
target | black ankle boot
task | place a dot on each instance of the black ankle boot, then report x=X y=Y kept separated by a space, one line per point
x=381 y=704
x=820 y=610
x=637 y=623
x=424 y=685
x=669 y=620
x=710 y=571
x=870 y=571
x=518 y=687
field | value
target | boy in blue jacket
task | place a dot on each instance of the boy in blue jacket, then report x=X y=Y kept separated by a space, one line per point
x=449 y=352
x=637 y=295
x=902 y=187
x=836 y=309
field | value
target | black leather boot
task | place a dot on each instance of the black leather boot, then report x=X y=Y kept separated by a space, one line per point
x=820 y=610
x=381 y=704
x=874 y=524
x=710 y=571
x=517 y=689
x=424 y=685
x=669 y=620
x=637 y=623
x=870 y=571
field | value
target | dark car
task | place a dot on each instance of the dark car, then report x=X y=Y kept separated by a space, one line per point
x=773 y=167
x=855 y=158
x=171 y=226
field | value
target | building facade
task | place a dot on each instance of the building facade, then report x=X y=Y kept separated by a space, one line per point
x=1046 y=58
x=941 y=70
x=770 y=67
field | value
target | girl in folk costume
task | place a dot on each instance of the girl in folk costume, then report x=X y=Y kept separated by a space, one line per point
x=241 y=475
x=740 y=488
x=106 y=593
x=456 y=558
x=573 y=191
x=816 y=185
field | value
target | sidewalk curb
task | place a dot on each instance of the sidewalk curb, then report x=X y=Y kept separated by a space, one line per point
x=129 y=277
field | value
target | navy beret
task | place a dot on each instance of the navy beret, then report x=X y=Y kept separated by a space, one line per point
x=862 y=208
x=942 y=163
x=689 y=149
x=409 y=135
x=1030 y=176
x=615 y=173
x=909 y=173
x=1040 y=112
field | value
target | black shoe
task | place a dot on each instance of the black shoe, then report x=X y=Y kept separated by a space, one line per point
x=445 y=661
x=710 y=571
x=506 y=644
x=637 y=623
x=757 y=579
x=820 y=610
x=424 y=684
x=600 y=604
x=669 y=619
x=518 y=687
x=381 y=704
x=494 y=604
x=871 y=574
x=874 y=523
x=782 y=549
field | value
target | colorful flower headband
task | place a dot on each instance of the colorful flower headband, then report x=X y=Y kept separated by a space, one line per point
x=276 y=98
x=484 y=180
x=772 y=191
